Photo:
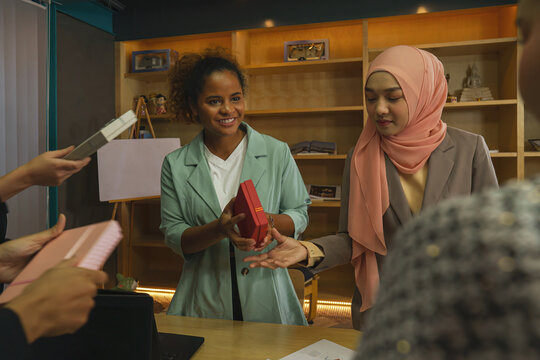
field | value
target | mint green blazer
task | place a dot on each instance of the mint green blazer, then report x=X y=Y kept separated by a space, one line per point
x=188 y=198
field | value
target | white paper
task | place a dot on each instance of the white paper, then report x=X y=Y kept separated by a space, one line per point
x=322 y=350
x=130 y=169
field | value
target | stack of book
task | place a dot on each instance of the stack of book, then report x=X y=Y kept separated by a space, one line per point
x=314 y=147
x=324 y=192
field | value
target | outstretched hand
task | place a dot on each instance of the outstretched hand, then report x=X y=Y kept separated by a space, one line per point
x=50 y=169
x=288 y=252
x=15 y=254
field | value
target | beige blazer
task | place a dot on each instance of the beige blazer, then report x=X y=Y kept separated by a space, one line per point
x=460 y=165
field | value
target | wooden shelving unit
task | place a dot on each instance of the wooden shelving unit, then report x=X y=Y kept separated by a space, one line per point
x=480 y=104
x=323 y=100
x=158 y=244
x=147 y=76
x=325 y=204
x=320 y=157
x=306 y=66
x=317 y=110
x=456 y=48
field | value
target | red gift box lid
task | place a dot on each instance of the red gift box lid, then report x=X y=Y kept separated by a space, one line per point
x=255 y=225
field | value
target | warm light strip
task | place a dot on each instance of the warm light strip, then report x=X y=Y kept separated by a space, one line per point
x=328 y=302
x=172 y=291
x=156 y=290
x=333 y=309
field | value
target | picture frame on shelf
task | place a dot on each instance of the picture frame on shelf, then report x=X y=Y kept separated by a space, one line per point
x=153 y=60
x=303 y=50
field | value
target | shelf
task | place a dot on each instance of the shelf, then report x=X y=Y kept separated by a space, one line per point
x=480 y=104
x=325 y=204
x=161 y=117
x=269 y=69
x=144 y=200
x=153 y=244
x=284 y=112
x=532 y=153
x=458 y=48
x=158 y=279
x=151 y=76
x=503 y=154
x=320 y=157
x=304 y=66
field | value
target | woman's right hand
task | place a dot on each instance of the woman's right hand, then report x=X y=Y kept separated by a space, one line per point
x=59 y=301
x=15 y=254
x=227 y=223
x=288 y=252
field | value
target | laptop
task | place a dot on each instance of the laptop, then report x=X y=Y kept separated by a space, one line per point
x=121 y=326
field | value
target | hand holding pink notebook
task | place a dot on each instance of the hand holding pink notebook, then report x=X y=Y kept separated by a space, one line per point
x=91 y=244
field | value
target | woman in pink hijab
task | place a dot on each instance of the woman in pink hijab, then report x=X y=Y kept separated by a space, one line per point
x=405 y=160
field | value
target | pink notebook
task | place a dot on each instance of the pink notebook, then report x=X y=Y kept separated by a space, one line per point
x=92 y=244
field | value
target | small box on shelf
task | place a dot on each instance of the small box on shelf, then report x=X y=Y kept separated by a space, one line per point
x=324 y=192
x=153 y=60
x=535 y=144
x=314 y=147
x=306 y=50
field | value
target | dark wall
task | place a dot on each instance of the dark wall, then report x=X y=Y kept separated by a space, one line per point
x=143 y=19
x=85 y=103
x=86 y=95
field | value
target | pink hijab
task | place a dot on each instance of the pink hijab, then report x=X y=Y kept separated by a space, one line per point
x=421 y=77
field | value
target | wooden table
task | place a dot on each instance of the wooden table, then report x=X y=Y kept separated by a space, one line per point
x=227 y=339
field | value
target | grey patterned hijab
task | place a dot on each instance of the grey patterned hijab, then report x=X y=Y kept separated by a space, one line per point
x=462 y=282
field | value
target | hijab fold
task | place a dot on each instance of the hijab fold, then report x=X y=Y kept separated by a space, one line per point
x=421 y=77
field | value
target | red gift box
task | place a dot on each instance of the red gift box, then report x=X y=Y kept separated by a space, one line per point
x=255 y=225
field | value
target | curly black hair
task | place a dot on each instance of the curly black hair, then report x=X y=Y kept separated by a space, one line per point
x=188 y=76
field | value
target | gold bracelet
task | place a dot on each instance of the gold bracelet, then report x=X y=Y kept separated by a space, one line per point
x=271 y=220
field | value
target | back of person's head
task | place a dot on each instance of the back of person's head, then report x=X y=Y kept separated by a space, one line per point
x=528 y=20
x=462 y=282
x=187 y=78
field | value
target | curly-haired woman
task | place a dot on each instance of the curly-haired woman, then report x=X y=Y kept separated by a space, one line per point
x=198 y=186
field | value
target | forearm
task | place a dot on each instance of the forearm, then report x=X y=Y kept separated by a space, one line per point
x=199 y=238
x=314 y=254
x=14 y=182
x=283 y=223
x=28 y=311
x=337 y=251
x=13 y=339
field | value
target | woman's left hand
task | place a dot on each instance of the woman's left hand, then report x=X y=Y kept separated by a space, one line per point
x=15 y=254
x=268 y=238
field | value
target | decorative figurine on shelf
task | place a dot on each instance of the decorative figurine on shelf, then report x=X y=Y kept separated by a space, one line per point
x=143 y=133
x=161 y=100
x=152 y=103
x=144 y=108
x=125 y=283
x=474 y=80
x=473 y=90
x=449 y=98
